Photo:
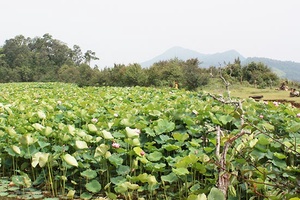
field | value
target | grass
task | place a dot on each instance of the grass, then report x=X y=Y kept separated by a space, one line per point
x=245 y=90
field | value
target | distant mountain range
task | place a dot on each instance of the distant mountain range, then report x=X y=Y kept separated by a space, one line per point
x=284 y=69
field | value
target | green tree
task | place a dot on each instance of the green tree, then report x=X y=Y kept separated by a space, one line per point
x=76 y=55
x=194 y=76
x=86 y=75
x=17 y=53
x=69 y=74
x=258 y=73
x=89 y=56
x=134 y=75
x=2 y=58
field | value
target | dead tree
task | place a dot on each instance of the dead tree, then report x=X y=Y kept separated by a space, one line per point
x=224 y=175
x=226 y=83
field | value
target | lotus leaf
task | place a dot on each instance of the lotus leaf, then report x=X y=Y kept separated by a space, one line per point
x=107 y=135
x=89 y=174
x=94 y=186
x=215 y=194
x=70 y=160
x=164 y=126
x=81 y=144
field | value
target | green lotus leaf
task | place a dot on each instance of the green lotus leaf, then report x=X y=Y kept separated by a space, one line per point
x=118 y=179
x=155 y=113
x=253 y=142
x=101 y=150
x=200 y=167
x=185 y=161
x=70 y=160
x=121 y=188
x=123 y=170
x=27 y=139
x=70 y=194
x=268 y=126
x=126 y=122
x=197 y=197
x=81 y=133
x=162 y=139
x=149 y=131
x=40 y=158
x=138 y=151
x=263 y=140
x=16 y=149
x=94 y=186
x=180 y=137
x=171 y=147
x=164 y=126
x=38 y=126
x=81 y=144
x=294 y=127
x=92 y=128
x=21 y=180
x=180 y=171
x=169 y=178
x=107 y=154
x=131 y=132
x=142 y=177
x=41 y=114
x=107 y=135
x=86 y=195
x=154 y=156
x=89 y=174
x=71 y=129
x=115 y=159
x=47 y=131
x=214 y=119
x=279 y=155
x=151 y=180
x=204 y=158
x=208 y=149
x=143 y=159
x=279 y=163
x=131 y=186
x=189 y=121
x=136 y=142
x=215 y=194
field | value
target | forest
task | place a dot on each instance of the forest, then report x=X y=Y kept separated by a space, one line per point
x=46 y=59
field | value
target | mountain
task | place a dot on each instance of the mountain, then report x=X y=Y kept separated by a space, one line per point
x=206 y=60
x=174 y=52
x=218 y=59
x=284 y=69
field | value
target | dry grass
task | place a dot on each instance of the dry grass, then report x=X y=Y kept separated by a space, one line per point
x=244 y=91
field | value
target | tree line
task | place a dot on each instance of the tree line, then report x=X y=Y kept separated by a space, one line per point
x=45 y=59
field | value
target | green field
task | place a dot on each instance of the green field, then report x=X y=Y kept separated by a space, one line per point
x=61 y=141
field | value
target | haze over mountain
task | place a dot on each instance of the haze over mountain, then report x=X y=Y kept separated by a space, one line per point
x=284 y=69
x=207 y=60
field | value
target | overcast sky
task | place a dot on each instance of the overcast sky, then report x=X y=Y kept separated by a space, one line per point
x=133 y=31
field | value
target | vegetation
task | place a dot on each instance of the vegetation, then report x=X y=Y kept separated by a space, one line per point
x=287 y=69
x=44 y=59
x=137 y=142
x=127 y=141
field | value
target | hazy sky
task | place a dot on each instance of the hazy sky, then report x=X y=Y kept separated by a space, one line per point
x=128 y=31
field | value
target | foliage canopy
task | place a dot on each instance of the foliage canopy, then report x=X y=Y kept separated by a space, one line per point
x=44 y=59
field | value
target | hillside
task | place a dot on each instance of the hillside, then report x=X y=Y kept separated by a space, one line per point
x=284 y=69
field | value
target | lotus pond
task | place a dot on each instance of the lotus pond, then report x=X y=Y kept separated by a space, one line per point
x=60 y=141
